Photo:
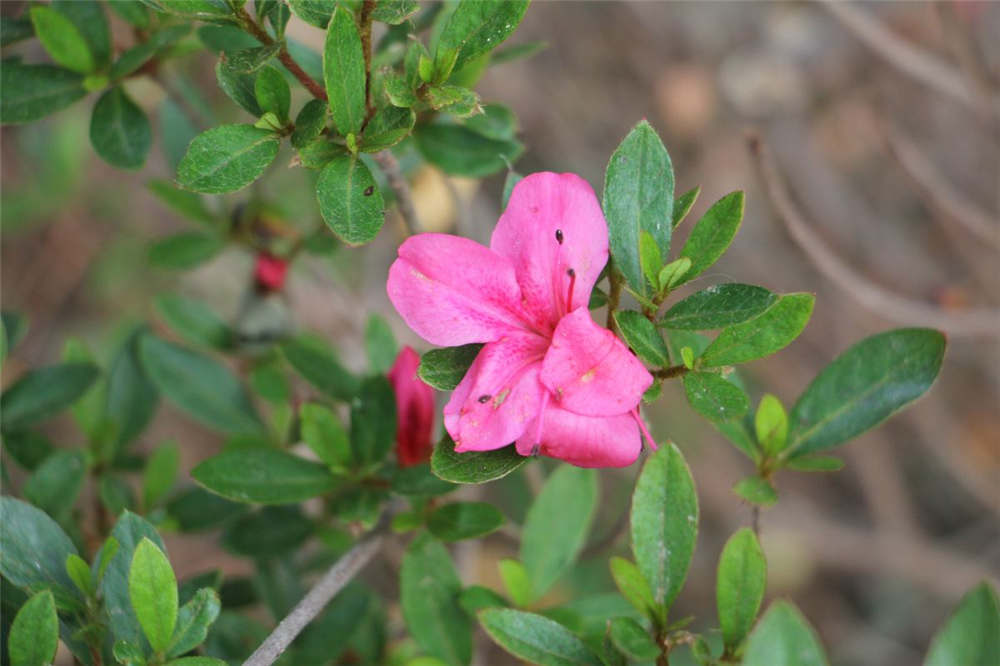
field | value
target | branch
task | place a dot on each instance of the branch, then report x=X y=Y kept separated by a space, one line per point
x=401 y=188
x=980 y=322
x=251 y=26
x=912 y=61
x=346 y=568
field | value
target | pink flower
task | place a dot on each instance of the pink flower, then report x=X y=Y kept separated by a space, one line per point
x=548 y=377
x=269 y=272
x=414 y=409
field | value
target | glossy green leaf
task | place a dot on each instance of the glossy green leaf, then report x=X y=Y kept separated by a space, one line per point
x=740 y=585
x=718 y=306
x=683 y=205
x=264 y=476
x=783 y=638
x=120 y=131
x=188 y=204
x=34 y=549
x=972 y=633
x=460 y=151
x=200 y=386
x=30 y=92
x=473 y=466
x=344 y=72
x=715 y=398
x=633 y=641
x=642 y=336
x=227 y=158
x=273 y=93
x=388 y=126
x=120 y=615
x=44 y=392
x=247 y=61
x=79 y=572
x=638 y=196
x=186 y=249
x=553 y=536
x=194 y=321
x=756 y=490
x=131 y=396
x=476 y=27
x=152 y=588
x=444 y=368
x=309 y=123
x=429 y=589
x=314 y=12
x=535 y=638
x=771 y=424
x=193 y=622
x=323 y=433
x=713 y=233
x=864 y=386
x=772 y=330
x=464 y=520
x=316 y=361
x=633 y=586
x=160 y=473
x=238 y=87
x=650 y=260
x=350 y=200
x=54 y=486
x=62 y=39
x=34 y=633
x=664 y=523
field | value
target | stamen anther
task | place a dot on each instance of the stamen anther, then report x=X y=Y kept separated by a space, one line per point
x=559 y=236
x=483 y=399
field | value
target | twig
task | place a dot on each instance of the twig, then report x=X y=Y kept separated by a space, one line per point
x=401 y=188
x=939 y=192
x=614 y=296
x=909 y=59
x=251 y=26
x=670 y=372
x=980 y=322
x=365 y=29
x=346 y=568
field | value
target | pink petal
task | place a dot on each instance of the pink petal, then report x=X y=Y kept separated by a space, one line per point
x=414 y=409
x=584 y=441
x=499 y=395
x=553 y=224
x=590 y=371
x=453 y=291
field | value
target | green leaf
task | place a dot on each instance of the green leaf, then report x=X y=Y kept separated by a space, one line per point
x=27 y=447
x=313 y=358
x=227 y=158
x=160 y=473
x=119 y=130
x=715 y=398
x=633 y=641
x=553 y=537
x=137 y=56
x=718 y=306
x=672 y=274
x=313 y=12
x=248 y=61
x=153 y=590
x=238 y=87
x=131 y=396
x=476 y=598
x=633 y=586
x=495 y=122
x=864 y=386
x=34 y=549
x=89 y=18
x=15 y=29
x=373 y=421
x=273 y=531
x=535 y=638
x=188 y=204
x=464 y=520
x=194 y=321
x=473 y=466
x=460 y=151
x=771 y=424
x=765 y=334
x=456 y=100
x=120 y=615
x=324 y=434
x=193 y=622
x=344 y=72
x=62 y=39
x=683 y=205
x=429 y=589
x=380 y=344
x=200 y=386
x=388 y=126
x=783 y=638
x=30 y=92
x=713 y=233
x=642 y=336
x=132 y=11
x=740 y=585
x=196 y=509
x=56 y=483
x=444 y=368
x=972 y=633
x=756 y=490
x=650 y=260
x=34 y=634
x=79 y=572
x=185 y=250
x=516 y=581
x=475 y=28
x=273 y=93
x=309 y=123
x=44 y=392
x=395 y=12
x=350 y=200
x=638 y=196
x=664 y=523
x=264 y=476
x=419 y=481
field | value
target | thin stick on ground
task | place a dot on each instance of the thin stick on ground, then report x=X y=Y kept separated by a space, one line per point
x=978 y=322
x=401 y=188
x=346 y=568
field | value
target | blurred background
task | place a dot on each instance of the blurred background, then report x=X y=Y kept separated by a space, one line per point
x=884 y=125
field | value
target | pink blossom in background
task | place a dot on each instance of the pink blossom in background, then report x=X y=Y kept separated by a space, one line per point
x=548 y=377
x=269 y=272
x=414 y=409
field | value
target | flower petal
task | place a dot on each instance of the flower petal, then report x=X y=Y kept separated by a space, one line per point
x=590 y=371
x=584 y=441
x=453 y=291
x=414 y=409
x=499 y=395
x=553 y=224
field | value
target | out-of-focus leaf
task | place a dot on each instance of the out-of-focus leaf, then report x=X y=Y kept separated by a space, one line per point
x=972 y=633
x=740 y=586
x=30 y=92
x=44 y=392
x=783 y=638
x=535 y=638
x=152 y=588
x=34 y=634
x=264 y=476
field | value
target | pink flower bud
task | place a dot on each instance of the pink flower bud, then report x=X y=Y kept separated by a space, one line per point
x=414 y=409
x=270 y=271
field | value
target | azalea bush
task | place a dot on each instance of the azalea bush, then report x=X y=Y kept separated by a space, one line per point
x=555 y=341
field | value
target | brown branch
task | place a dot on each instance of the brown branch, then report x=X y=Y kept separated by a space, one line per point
x=365 y=29
x=401 y=188
x=979 y=322
x=251 y=26
x=670 y=372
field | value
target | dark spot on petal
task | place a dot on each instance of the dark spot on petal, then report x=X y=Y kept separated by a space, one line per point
x=559 y=236
x=570 y=272
x=369 y=190
x=484 y=398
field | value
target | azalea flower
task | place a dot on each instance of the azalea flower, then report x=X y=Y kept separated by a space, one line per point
x=269 y=272
x=414 y=409
x=548 y=378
